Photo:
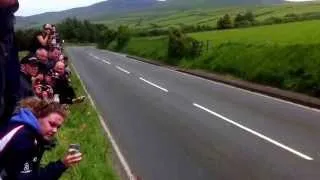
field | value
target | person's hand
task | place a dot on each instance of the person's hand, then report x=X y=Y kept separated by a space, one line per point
x=72 y=159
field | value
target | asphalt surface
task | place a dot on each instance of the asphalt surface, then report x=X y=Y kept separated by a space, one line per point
x=170 y=125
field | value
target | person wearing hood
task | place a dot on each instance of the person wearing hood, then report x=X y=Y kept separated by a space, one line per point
x=22 y=144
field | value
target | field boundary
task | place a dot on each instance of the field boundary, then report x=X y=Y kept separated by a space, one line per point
x=293 y=97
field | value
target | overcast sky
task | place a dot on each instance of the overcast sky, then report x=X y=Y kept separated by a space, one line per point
x=31 y=7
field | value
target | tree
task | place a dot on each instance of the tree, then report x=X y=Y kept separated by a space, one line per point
x=244 y=20
x=76 y=30
x=181 y=46
x=106 y=36
x=123 y=36
x=225 y=22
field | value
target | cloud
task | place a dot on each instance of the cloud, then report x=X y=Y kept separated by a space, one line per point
x=31 y=7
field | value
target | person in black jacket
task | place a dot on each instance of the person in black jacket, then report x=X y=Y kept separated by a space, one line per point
x=22 y=146
x=9 y=62
x=62 y=85
x=29 y=69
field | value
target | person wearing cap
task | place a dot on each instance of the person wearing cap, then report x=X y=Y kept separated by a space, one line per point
x=41 y=39
x=9 y=61
x=29 y=69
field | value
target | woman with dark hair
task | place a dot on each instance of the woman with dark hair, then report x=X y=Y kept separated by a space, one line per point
x=22 y=144
x=41 y=39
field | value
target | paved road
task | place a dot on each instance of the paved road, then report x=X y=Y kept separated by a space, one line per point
x=171 y=125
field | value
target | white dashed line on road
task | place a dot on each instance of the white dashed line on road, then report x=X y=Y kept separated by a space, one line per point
x=123 y=70
x=255 y=133
x=105 y=61
x=153 y=84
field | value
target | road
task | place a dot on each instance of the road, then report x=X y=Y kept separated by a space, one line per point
x=170 y=125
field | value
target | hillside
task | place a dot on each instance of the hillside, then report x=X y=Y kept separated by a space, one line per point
x=206 y=16
x=120 y=7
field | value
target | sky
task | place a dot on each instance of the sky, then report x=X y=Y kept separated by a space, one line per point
x=31 y=7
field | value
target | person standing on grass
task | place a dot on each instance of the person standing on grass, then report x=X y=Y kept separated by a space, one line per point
x=22 y=145
x=9 y=62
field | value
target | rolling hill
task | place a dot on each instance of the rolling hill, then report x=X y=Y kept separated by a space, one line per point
x=120 y=7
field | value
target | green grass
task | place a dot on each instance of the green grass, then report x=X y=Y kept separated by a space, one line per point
x=286 y=56
x=154 y=48
x=206 y=15
x=291 y=33
x=83 y=127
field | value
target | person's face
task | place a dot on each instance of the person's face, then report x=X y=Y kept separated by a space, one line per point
x=40 y=77
x=32 y=69
x=59 y=68
x=50 y=124
x=55 y=54
x=43 y=57
x=49 y=80
x=47 y=29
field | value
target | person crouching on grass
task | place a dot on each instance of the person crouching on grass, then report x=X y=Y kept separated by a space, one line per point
x=34 y=123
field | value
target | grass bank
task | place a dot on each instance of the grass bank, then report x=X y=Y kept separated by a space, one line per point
x=286 y=56
x=83 y=127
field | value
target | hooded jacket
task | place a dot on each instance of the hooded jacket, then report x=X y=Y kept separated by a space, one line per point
x=21 y=156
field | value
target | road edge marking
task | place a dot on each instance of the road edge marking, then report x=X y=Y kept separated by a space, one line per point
x=116 y=148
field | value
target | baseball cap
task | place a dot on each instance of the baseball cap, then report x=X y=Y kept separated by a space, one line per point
x=29 y=60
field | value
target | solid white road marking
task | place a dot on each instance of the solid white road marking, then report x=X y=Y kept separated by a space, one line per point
x=153 y=84
x=255 y=133
x=115 y=146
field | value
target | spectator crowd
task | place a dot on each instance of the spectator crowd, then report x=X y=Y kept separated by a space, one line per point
x=44 y=72
x=34 y=95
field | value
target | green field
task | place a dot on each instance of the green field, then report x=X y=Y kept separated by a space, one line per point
x=205 y=16
x=285 y=55
x=292 y=33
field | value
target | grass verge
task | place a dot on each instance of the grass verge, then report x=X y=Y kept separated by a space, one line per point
x=83 y=127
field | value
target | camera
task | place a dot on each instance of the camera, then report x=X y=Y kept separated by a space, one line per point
x=44 y=88
x=74 y=148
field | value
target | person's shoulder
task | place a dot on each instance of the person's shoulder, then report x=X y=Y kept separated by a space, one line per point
x=24 y=139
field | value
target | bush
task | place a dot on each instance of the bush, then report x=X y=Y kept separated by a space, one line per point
x=123 y=37
x=245 y=20
x=106 y=36
x=181 y=46
x=225 y=22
